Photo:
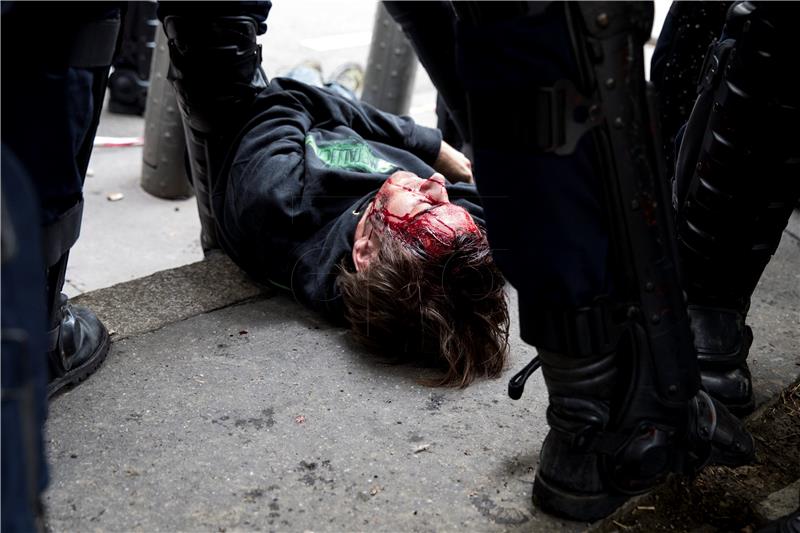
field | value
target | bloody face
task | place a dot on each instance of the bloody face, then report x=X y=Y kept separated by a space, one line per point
x=419 y=213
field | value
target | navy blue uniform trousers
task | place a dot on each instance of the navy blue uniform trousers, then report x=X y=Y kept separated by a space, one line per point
x=544 y=212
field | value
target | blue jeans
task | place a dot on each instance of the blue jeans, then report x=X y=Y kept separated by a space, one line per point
x=311 y=76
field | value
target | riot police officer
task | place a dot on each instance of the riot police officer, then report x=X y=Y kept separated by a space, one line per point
x=55 y=70
x=567 y=163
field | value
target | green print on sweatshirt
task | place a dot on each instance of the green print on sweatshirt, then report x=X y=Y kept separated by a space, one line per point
x=352 y=154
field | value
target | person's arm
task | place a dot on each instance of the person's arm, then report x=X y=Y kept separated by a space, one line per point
x=455 y=166
x=419 y=140
x=399 y=131
x=264 y=183
x=369 y=122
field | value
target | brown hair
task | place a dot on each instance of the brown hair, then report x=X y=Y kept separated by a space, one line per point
x=449 y=310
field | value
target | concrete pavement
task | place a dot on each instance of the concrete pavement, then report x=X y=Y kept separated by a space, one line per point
x=237 y=409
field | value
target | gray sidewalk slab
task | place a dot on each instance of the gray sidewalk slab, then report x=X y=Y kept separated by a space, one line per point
x=261 y=416
x=775 y=318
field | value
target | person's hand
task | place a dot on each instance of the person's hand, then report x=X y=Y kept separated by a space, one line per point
x=453 y=164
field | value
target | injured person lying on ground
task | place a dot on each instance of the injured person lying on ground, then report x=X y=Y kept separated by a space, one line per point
x=370 y=219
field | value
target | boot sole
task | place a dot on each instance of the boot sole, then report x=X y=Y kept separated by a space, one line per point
x=76 y=375
x=574 y=506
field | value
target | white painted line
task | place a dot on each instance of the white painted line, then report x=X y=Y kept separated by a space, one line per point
x=101 y=141
x=340 y=41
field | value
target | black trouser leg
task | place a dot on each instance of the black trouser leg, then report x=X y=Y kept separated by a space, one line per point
x=52 y=97
x=130 y=81
x=430 y=26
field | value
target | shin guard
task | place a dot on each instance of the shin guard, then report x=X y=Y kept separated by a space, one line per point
x=737 y=181
x=216 y=70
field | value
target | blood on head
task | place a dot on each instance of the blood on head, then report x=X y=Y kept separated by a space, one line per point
x=433 y=230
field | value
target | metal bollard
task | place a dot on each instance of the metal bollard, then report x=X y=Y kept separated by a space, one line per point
x=163 y=161
x=391 y=66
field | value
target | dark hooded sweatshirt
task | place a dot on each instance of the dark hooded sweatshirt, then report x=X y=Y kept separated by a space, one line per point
x=298 y=178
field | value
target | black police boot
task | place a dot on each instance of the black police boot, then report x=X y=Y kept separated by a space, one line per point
x=723 y=342
x=216 y=71
x=611 y=437
x=79 y=343
x=128 y=84
x=570 y=481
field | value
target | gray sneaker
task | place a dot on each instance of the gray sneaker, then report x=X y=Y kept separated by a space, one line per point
x=350 y=76
x=308 y=72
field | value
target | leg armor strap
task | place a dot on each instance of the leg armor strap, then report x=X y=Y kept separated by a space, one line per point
x=609 y=39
